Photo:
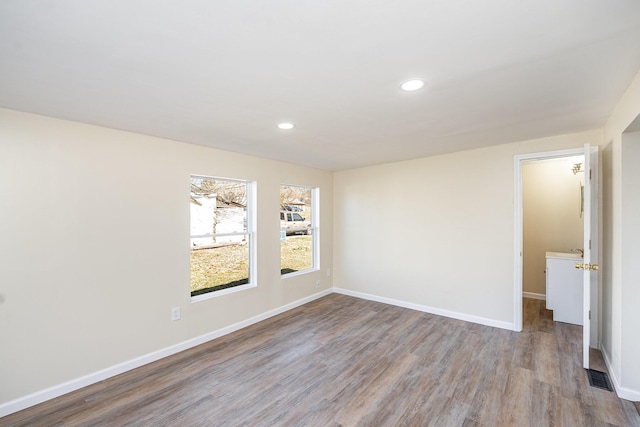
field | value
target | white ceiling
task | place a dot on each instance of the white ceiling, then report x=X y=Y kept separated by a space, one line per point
x=225 y=73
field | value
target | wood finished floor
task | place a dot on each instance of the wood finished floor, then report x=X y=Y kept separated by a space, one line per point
x=343 y=361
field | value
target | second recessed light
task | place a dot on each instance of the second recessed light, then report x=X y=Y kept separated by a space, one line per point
x=413 y=84
x=286 y=126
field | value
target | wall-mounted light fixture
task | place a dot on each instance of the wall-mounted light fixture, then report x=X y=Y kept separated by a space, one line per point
x=577 y=167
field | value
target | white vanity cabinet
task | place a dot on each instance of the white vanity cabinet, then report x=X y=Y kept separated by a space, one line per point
x=564 y=287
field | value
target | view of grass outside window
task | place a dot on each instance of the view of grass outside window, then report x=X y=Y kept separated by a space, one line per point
x=220 y=234
x=298 y=228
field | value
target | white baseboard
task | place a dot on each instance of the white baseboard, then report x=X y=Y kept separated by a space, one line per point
x=428 y=309
x=622 y=392
x=534 y=295
x=69 y=386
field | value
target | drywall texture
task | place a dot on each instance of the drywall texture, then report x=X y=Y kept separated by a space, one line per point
x=552 y=219
x=95 y=247
x=439 y=230
x=620 y=299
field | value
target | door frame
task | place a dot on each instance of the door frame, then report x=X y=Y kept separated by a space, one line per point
x=519 y=160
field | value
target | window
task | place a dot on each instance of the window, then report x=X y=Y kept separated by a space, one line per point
x=222 y=235
x=299 y=237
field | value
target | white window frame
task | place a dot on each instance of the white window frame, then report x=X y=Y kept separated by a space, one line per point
x=315 y=231
x=250 y=234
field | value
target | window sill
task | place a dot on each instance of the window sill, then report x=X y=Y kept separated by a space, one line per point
x=299 y=273
x=221 y=292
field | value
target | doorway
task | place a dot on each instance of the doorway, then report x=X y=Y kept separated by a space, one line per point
x=552 y=225
x=590 y=302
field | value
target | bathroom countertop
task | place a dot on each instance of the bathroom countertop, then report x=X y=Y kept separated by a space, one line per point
x=564 y=255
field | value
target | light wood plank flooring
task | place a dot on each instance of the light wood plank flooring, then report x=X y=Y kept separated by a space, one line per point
x=343 y=361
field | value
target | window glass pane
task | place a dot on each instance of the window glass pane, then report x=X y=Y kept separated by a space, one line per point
x=220 y=235
x=297 y=231
x=217 y=268
x=296 y=253
x=218 y=206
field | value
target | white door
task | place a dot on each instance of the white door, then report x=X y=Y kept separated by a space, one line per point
x=590 y=266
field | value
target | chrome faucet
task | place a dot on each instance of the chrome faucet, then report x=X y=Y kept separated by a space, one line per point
x=578 y=250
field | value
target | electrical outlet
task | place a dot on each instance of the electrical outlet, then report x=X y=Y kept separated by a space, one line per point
x=317 y=284
x=175 y=313
x=328 y=272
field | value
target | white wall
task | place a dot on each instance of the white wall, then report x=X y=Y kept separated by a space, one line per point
x=95 y=247
x=630 y=253
x=606 y=261
x=620 y=300
x=439 y=230
x=551 y=216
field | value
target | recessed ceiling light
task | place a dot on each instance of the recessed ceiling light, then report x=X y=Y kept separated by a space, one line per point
x=286 y=126
x=410 y=85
